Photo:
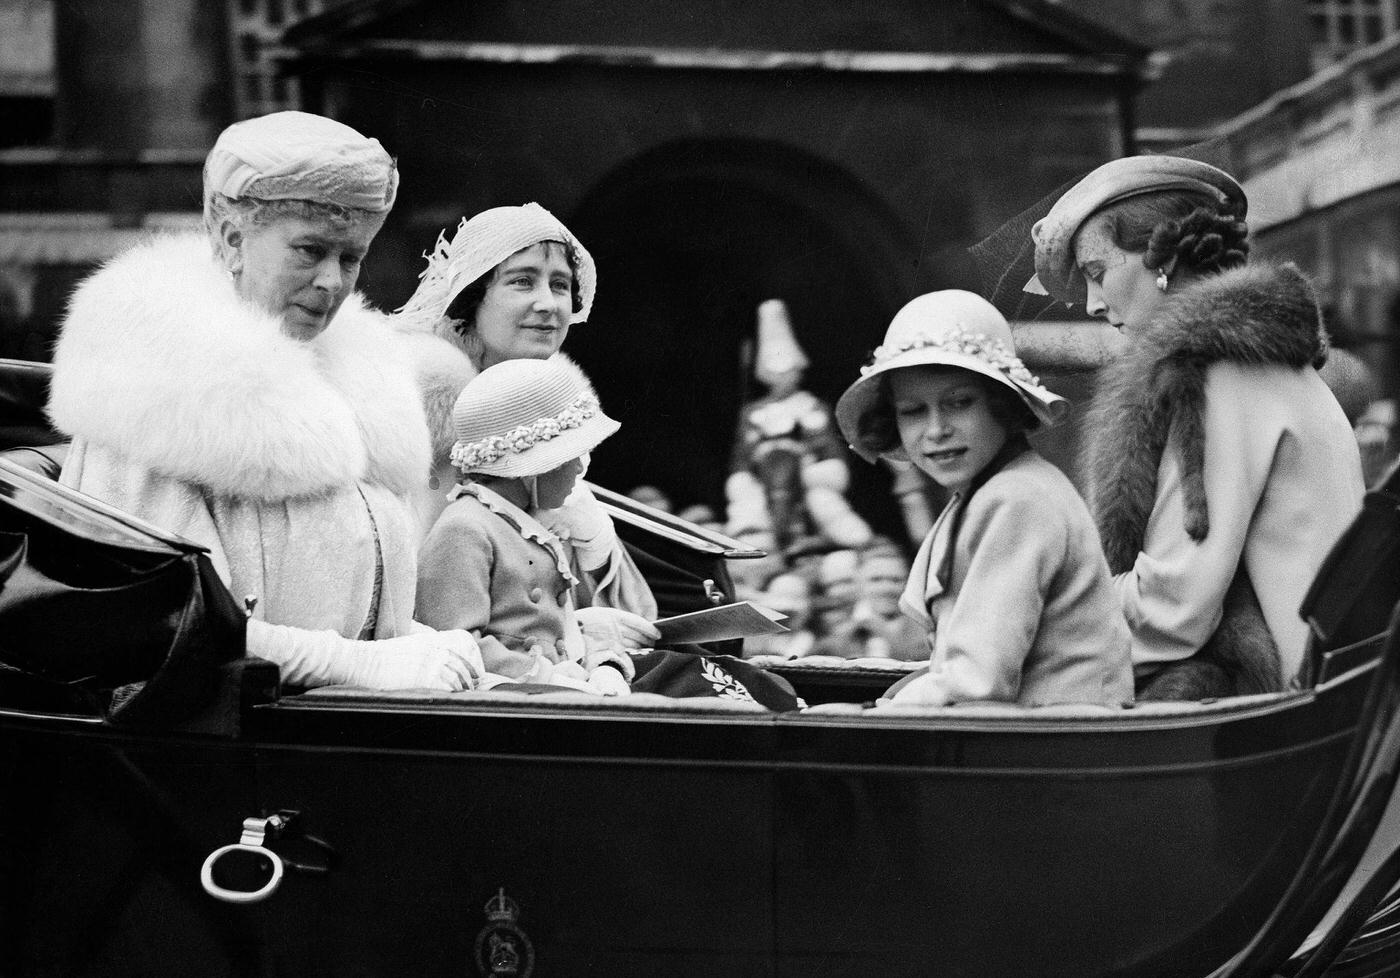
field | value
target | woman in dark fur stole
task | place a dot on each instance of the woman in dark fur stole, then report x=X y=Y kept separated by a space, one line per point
x=1221 y=468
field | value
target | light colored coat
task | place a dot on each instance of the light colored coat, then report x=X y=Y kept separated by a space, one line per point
x=1215 y=446
x=1282 y=481
x=1029 y=615
x=190 y=408
x=490 y=568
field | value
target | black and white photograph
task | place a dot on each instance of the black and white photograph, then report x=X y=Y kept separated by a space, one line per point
x=694 y=488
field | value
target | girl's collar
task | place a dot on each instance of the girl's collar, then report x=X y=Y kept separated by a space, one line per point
x=526 y=525
x=1015 y=446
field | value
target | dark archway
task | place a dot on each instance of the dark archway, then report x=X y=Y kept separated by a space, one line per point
x=689 y=239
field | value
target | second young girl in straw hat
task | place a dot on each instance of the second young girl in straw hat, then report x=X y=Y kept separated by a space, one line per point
x=1011 y=583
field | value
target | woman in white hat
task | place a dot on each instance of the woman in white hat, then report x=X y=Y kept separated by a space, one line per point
x=508 y=285
x=1010 y=584
x=489 y=565
x=233 y=388
x=1221 y=467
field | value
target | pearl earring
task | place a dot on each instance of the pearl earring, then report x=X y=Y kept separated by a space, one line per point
x=1162 y=280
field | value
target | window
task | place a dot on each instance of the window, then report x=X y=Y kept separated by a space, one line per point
x=1341 y=26
x=27 y=77
x=257 y=26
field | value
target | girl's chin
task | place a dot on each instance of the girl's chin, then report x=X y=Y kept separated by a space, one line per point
x=947 y=482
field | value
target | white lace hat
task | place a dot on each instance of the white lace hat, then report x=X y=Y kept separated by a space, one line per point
x=483 y=242
x=527 y=417
x=950 y=328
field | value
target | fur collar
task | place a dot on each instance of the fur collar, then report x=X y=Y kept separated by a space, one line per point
x=1260 y=314
x=160 y=361
x=442 y=369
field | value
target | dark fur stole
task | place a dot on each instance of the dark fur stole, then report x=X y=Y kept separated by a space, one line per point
x=1261 y=314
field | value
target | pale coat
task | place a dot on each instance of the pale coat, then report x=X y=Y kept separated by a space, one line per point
x=1216 y=446
x=490 y=568
x=1028 y=615
x=190 y=408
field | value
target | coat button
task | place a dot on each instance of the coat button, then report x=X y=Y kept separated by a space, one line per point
x=536 y=594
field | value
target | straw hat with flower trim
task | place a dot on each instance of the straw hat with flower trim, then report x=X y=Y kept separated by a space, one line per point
x=527 y=417
x=951 y=328
x=482 y=243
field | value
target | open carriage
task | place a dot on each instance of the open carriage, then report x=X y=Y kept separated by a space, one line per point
x=339 y=832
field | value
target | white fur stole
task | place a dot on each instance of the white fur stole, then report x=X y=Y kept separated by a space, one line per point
x=160 y=361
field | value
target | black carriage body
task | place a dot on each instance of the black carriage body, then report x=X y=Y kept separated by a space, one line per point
x=647 y=842
x=641 y=837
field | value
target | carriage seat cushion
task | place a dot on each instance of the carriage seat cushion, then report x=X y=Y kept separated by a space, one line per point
x=568 y=700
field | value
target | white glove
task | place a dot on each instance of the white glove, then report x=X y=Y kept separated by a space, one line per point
x=447 y=660
x=610 y=655
x=588 y=529
x=608 y=681
x=615 y=627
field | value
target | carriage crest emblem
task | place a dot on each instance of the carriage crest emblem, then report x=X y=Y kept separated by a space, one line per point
x=502 y=949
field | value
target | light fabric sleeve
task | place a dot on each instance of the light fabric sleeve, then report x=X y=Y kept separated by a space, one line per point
x=588 y=529
x=1174 y=595
x=454 y=575
x=613 y=578
x=167 y=502
x=305 y=657
x=454 y=590
x=1012 y=546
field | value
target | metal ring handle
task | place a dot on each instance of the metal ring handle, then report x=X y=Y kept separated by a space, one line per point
x=206 y=875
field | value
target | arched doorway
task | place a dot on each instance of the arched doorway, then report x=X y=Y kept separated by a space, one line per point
x=689 y=239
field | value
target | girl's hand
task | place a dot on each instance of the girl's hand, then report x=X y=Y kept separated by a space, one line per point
x=612 y=657
x=514 y=660
x=608 y=681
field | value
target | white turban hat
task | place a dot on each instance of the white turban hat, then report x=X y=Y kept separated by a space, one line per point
x=300 y=156
x=482 y=243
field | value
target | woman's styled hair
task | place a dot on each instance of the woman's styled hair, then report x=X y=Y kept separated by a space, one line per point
x=1177 y=230
x=245 y=212
x=461 y=311
x=879 y=429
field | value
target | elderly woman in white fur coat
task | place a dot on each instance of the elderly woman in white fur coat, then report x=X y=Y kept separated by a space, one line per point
x=508 y=286
x=234 y=389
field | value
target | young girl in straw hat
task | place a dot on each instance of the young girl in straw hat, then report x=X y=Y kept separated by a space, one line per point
x=489 y=564
x=1011 y=583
